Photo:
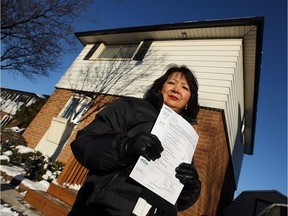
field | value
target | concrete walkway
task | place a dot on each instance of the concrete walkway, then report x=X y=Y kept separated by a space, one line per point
x=13 y=199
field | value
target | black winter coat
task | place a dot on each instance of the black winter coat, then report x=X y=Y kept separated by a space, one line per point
x=108 y=189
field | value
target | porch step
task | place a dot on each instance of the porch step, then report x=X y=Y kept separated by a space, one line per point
x=46 y=203
x=65 y=194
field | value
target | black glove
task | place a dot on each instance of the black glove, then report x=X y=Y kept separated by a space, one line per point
x=187 y=175
x=145 y=144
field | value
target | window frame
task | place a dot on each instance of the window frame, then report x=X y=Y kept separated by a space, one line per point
x=102 y=47
x=139 y=54
x=76 y=113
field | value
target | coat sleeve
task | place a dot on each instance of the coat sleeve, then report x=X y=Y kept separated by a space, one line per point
x=98 y=146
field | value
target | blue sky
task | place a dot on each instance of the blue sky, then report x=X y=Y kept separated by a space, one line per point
x=266 y=169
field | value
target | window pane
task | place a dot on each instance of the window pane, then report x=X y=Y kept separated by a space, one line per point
x=126 y=51
x=23 y=98
x=109 y=52
x=5 y=120
x=119 y=51
x=81 y=112
x=71 y=108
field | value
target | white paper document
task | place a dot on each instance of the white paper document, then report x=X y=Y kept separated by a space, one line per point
x=179 y=140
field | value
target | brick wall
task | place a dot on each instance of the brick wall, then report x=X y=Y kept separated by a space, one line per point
x=212 y=161
x=40 y=124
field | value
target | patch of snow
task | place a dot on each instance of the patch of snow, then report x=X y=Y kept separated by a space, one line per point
x=17 y=129
x=45 y=177
x=11 y=170
x=8 y=153
x=42 y=185
x=49 y=173
x=24 y=149
x=74 y=186
x=16 y=172
x=6 y=210
x=4 y=157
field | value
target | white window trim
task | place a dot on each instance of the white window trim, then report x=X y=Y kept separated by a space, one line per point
x=97 y=52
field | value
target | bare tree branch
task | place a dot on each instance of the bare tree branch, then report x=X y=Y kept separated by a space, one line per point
x=113 y=78
x=35 y=34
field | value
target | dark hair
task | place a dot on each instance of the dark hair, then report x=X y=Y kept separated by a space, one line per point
x=193 y=106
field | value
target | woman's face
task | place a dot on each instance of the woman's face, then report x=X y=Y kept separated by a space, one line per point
x=176 y=92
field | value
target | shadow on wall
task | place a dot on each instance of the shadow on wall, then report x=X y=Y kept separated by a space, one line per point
x=89 y=85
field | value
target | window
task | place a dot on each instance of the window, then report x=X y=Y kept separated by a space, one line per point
x=82 y=110
x=136 y=51
x=4 y=94
x=119 y=51
x=11 y=96
x=5 y=120
x=75 y=109
x=23 y=98
x=71 y=108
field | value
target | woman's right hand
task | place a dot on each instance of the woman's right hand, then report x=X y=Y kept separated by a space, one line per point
x=146 y=144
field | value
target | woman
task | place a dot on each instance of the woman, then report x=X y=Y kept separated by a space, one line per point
x=110 y=146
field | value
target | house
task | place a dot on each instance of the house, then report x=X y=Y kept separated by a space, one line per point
x=11 y=100
x=256 y=202
x=225 y=56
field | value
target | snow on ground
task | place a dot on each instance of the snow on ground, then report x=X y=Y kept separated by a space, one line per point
x=7 y=210
x=16 y=172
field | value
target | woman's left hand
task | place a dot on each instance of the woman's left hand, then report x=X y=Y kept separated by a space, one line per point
x=187 y=174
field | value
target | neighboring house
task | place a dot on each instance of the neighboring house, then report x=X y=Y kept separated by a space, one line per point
x=257 y=203
x=225 y=56
x=11 y=100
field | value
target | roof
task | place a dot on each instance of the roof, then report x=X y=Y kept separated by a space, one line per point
x=218 y=29
x=22 y=92
x=254 y=202
x=250 y=29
